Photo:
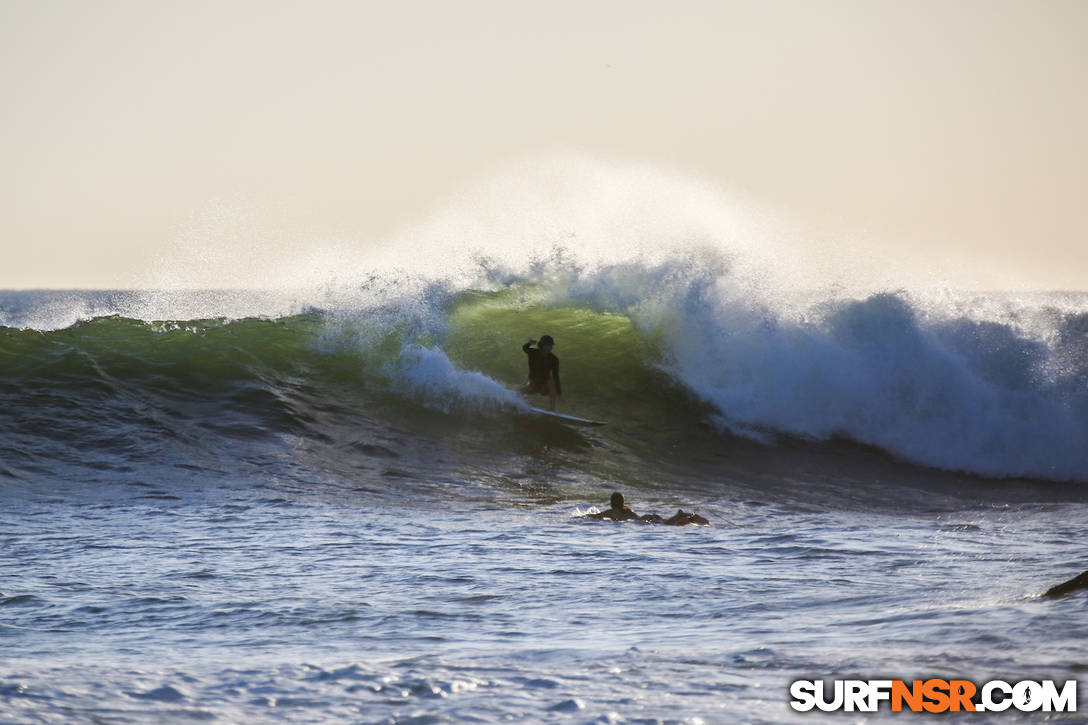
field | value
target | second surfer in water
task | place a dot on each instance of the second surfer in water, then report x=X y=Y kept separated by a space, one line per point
x=618 y=511
x=543 y=370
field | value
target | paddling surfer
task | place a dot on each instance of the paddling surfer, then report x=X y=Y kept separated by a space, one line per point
x=618 y=511
x=543 y=370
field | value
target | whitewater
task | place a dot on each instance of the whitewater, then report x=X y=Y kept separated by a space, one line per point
x=300 y=486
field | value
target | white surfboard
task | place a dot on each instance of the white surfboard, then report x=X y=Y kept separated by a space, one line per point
x=568 y=418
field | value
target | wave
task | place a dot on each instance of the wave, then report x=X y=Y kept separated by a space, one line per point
x=674 y=309
x=990 y=385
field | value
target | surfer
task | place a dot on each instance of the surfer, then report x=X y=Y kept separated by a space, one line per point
x=543 y=370
x=1077 y=583
x=618 y=511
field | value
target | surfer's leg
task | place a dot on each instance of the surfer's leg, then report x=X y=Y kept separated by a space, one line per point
x=683 y=518
x=551 y=394
x=1078 y=582
x=680 y=518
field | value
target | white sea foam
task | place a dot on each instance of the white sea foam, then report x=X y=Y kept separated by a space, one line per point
x=427 y=372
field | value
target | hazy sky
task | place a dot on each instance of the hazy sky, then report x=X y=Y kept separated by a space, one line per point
x=949 y=133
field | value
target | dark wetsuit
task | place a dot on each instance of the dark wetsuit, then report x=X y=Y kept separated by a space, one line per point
x=680 y=518
x=623 y=514
x=541 y=365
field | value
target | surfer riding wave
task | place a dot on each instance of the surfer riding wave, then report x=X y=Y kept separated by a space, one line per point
x=543 y=370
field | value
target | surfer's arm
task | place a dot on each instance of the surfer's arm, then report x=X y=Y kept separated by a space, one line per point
x=555 y=377
x=527 y=346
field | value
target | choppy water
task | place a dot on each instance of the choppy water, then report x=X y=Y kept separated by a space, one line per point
x=269 y=511
x=262 y=600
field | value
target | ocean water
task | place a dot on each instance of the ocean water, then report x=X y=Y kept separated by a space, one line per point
x=258 y=507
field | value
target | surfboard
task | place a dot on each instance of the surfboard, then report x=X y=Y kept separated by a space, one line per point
x=573 y=419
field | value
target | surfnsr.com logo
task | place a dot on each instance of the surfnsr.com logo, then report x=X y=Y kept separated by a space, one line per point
x=933 y=695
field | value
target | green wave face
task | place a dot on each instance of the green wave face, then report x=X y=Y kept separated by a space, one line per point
x=335 y=388
x=187 y=354
x=605 y=361
x=597 y=351
x=608 y=368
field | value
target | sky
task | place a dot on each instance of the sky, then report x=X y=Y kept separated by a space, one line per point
x=945 y=135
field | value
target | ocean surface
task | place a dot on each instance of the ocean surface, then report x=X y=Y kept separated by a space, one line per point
x=261 y=507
